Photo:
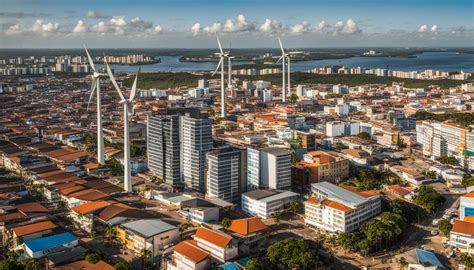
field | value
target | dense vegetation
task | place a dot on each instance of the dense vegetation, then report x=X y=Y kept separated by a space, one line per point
x=290 y=254
x=165 y=80
x=444 y=226
x=381 y=232
x=429 y=198
x=11 y=262
x=366 y=179
x=116 y=168
x=463 y=119
x=468 y=181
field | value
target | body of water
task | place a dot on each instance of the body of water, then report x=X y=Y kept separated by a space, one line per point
x=443 y=61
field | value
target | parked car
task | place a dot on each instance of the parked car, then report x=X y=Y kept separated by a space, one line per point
x=435 y=222
x=434 y=232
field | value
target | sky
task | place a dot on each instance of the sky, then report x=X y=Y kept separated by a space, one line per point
x=242 y=23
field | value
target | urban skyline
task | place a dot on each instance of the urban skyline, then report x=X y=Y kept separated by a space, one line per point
x=245 y=24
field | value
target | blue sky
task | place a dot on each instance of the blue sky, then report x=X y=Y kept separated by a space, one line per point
x=245 y=23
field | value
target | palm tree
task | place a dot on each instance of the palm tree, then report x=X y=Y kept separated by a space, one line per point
x=110 y=233
x=467 y=260
x=145 y=255
x=402 y=263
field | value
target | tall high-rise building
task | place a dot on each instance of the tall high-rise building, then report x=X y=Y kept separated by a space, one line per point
x=178 y=141
x=197 y=141
x=224 y=175
x=275 y=168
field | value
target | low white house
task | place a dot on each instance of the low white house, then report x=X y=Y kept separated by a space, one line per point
x=462 y=236
x=222 y=247
x=187 y=256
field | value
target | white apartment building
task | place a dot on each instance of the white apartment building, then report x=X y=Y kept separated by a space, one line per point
x=462 y=236
x=224 y=174
x=466 y=207
x=275 y=168
x=447 y=139
x=263 y=203
x=336 y=209
x=187 y=256
x=338 y=128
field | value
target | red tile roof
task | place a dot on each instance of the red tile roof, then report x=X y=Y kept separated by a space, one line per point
x=90 y=207
x=247 y=226
x=33 y=228
x=32 y=207
x=218 y=239
x=191 y=251
x=335 y=205
x=463 y=227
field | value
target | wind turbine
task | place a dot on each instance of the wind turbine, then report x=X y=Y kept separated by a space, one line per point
x=127 y=179
x=95 y=87
x=222 y=57
x=282 y=58
x=229 y=58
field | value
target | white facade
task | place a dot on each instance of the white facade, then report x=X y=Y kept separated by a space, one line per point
x=336 y=209
x=338 y=128
x=265 y=206
x=275 y=168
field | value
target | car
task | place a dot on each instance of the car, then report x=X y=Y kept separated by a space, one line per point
x=434 y=232
x=435 y=222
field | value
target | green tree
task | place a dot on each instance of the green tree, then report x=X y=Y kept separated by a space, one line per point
x=293 y=98
x=32 y=264
x=348 y=241
x=110 y=233
x=450 y=160
x=121 y=266
x=364 y=135
x=467 y=260
x=429 y=198
x=402 y=263
x=468 y=180
x=145 y=255
x=293 y=253
x=225 y=222
x=444 y=226
x=93 y=257
x=295 y=206
x=115 y=166
x=276 y=217
x=254 y=264
x=340 y=146
x=294 y=159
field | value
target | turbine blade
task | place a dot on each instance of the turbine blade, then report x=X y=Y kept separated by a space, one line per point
x=111 y=76
x=279 y=59
x=134 y=87
x=220 y=46
x=91 y=63
x=218 y=66
x=281 y=46
x=93 y=87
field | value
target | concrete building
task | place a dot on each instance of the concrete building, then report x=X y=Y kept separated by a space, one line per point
x=462 y=236
x=263 y=203
x=188 y=256
x=339 y=128
x=336 y=209
x=275 y=168
x=466 y=207
x=224 y=175
x=150 y=234
x=222 y=247
x=318 y=166
x=178 y=141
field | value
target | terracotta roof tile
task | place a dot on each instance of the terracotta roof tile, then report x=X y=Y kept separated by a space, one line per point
x=247 y=226
x=14 y=216
x=463 y=227
x=218 y=239
x=90 y=207
x=335 y=205
x=469 y=195
x=32 y=207
x=190 y=251
x=33 y=228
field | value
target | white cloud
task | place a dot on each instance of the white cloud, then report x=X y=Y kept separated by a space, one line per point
x=14 y=29
x=39 y=26
x=100 y=27
x=212 y=29
x=434 y=28
x=158 y=29
x=196 y=29
x=91 y=14
x=271 y=26
x=321 y=27
x=300 y=28
x=80 y=27
x=349 y=28
x=118 y=21
x=423 y=28
x=239 y=24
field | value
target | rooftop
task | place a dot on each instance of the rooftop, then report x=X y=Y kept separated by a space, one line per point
x=43 y=243
x=33 y=228
x=214 y=237
x=339 y=194
x=247 y=226
x=149 y=227
x=189 y=250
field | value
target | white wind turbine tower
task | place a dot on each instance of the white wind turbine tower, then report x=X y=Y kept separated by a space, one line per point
x=229 y=58
x=222 y=56
x=282 y=58
x=96 y=87
x=127 y=179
